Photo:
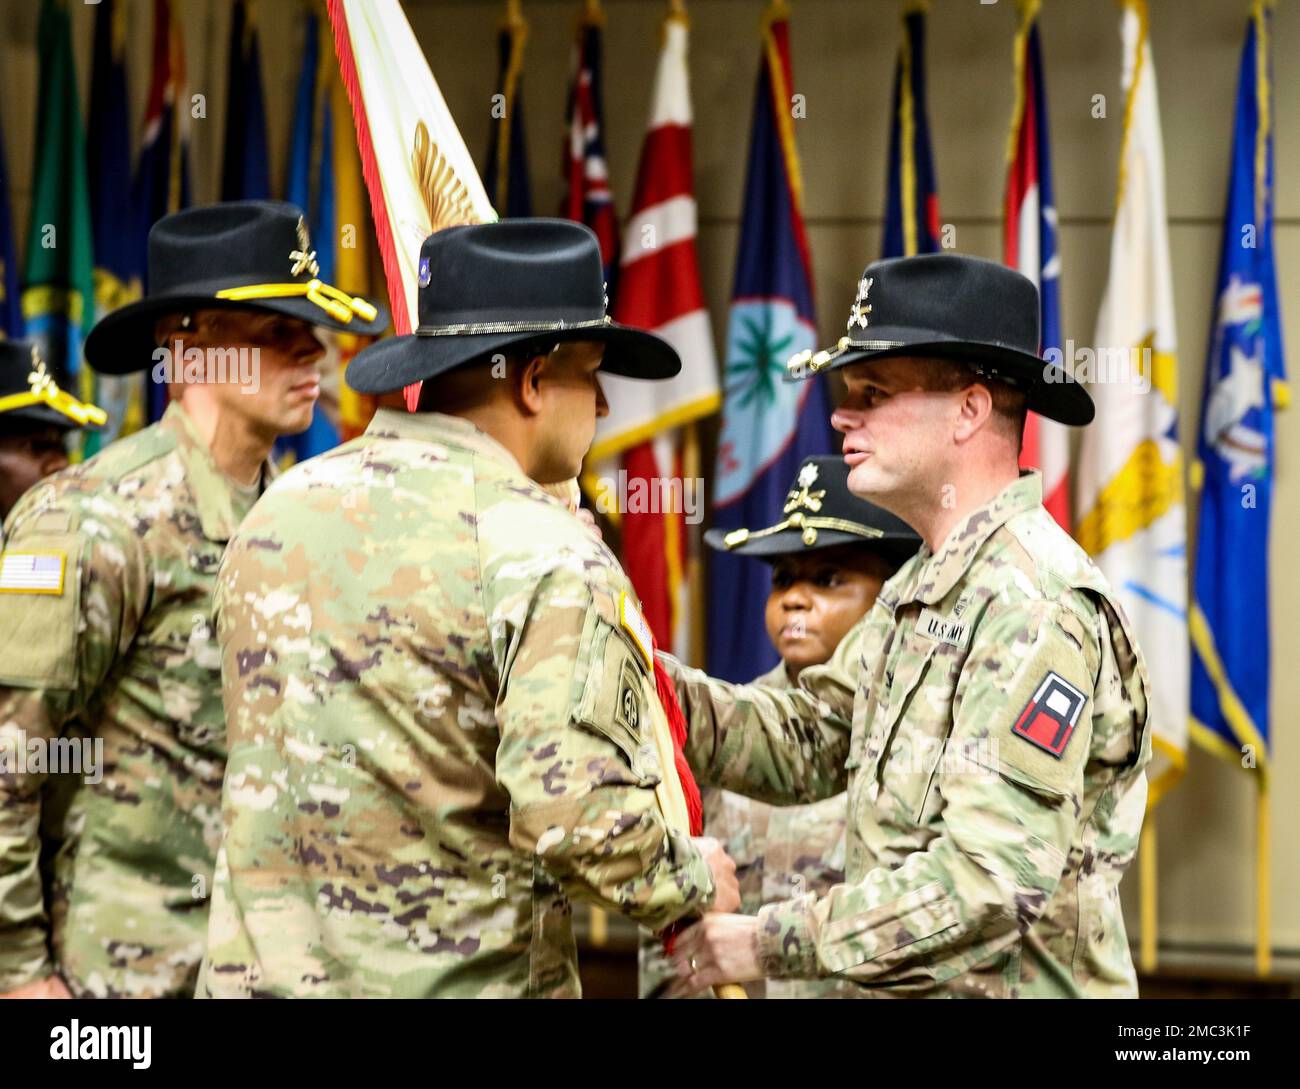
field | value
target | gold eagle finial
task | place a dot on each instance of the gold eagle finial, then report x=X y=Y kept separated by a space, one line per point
x=445 y=197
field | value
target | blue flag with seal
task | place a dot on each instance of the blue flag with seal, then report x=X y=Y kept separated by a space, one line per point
x=769 y=425
x=311 y=188
x=911 y=199
x=1245 y=381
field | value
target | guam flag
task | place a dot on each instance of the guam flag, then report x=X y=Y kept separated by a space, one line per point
x=769 y=425
x=1236 y=461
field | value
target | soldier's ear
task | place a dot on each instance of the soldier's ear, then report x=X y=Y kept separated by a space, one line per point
x=528 y=387
x=973 y=411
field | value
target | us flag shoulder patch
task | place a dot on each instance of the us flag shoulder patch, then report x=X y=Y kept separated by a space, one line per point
x=32 y=572
x=1051 y=714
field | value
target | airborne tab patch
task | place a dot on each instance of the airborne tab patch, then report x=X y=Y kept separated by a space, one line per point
x=1050 y=716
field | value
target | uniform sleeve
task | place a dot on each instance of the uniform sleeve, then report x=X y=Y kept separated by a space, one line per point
x=785 y=745
x=576 y=759
x=1011 y=778
x=57 y=644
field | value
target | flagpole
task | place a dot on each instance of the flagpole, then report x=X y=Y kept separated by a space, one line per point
x=691 y=471
x=1263 y=889
x=1263 y=137
x=694 y=573
x=1147 y=875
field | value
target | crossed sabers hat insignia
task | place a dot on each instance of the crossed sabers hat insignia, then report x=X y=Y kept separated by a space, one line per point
x=304 y=257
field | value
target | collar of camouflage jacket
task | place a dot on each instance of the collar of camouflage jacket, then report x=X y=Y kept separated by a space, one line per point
x=214 y=492
x=441 y=428
x=934 y=575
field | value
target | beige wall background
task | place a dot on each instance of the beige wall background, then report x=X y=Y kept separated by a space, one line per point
x=843 y=52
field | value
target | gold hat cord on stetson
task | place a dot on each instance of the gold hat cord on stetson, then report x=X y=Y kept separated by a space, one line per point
x=337 y=304
x=45 y=391
x=809 y=526
x=815 y=361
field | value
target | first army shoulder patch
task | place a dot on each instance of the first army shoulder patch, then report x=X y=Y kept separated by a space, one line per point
x=1050 y=716
x=32 y=572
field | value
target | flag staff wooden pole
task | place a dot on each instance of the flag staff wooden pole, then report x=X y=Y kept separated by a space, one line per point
x=1263 y=890
x=1147 y=891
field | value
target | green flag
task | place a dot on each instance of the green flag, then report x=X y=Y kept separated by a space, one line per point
x=59 y=279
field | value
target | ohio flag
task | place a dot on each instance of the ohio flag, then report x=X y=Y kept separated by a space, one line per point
x=1029 y=245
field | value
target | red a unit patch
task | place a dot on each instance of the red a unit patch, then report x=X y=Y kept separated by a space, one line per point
x=1049 y=718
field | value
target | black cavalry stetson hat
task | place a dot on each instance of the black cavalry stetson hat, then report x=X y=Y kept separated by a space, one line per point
x=251 y=254
x=504 y=287
x=820 y=512
x=29 y=393
x=950 y=306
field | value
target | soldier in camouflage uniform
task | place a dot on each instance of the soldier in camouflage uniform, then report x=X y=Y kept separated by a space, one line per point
x=830 y=555
x=989 y=715
x=35 y=418
x=107 y=582
x=436 y=676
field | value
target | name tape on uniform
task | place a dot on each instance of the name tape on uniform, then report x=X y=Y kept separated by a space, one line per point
x=943 y=629
x=629 y=616
x=32 y=572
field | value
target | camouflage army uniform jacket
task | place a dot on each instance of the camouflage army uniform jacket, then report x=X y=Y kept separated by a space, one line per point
x=779 y=851
x=125 y=653
x=435 y=732
x=992 y=724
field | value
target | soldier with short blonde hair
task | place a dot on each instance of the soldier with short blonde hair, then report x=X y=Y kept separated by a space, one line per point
x=106 y=582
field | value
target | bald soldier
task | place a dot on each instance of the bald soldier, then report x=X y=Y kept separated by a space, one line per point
x=991 y=721
x=830 y=555
x=437 y=679
x=106 y=587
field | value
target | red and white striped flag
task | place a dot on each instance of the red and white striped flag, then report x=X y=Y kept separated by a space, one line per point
x=659 y=290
